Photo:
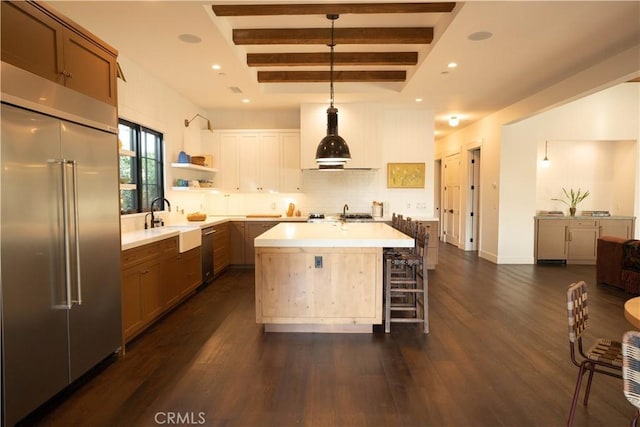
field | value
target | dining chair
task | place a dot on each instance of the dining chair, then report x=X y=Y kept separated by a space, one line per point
x=631 y=371
x=604 y=356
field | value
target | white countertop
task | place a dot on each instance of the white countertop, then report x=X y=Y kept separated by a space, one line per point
x=582 y=218
x=133 y=239
x=348 y=235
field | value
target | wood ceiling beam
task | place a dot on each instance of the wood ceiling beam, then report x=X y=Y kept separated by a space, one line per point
x=323 y=9
x=324 y=76
x=384 y=35
x=340 y=58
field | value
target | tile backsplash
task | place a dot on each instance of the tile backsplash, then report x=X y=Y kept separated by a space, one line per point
x=323 y=192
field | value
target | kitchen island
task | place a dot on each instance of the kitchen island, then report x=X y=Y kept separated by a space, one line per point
x=322 y=277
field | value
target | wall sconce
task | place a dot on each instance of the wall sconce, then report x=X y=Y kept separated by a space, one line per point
x=188 y=122
x=454 y=121
x=545 y=162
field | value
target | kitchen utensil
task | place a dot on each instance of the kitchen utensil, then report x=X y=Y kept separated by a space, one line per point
x=184 y=157
x=291 y=209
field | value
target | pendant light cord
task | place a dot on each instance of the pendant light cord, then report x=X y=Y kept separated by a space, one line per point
x=331 y=45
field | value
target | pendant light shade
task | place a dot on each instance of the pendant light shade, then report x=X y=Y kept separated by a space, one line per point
x=333 y=151
x=546 y=162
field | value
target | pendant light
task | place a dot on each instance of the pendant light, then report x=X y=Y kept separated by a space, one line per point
x=333 y=151
x=546 y=162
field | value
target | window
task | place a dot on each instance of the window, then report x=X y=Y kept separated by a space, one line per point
x=140 y=166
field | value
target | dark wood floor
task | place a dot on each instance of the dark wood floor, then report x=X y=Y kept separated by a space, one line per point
x=497 y=355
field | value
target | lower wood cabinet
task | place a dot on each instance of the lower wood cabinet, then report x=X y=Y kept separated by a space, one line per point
x=155 y=277
x=182 y=274
x=236 y=237
x=241 y=236
x=575 y=240
x=221 y=248
x=252 y=230
x=616 y=228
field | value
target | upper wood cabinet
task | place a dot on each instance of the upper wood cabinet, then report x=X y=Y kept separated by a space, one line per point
x=38 y=39
x=358 y=124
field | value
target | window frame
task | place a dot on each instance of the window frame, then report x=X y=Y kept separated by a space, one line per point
x=147 y=187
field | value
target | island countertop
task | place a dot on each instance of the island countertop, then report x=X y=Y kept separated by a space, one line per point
x=320 y=235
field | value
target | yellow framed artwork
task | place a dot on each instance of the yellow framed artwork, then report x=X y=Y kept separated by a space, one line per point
x=405 y=175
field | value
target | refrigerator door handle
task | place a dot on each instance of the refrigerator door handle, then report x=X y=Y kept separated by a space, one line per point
x=76 y=233
x=65 y=232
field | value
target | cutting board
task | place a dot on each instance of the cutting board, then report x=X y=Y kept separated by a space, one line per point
x=263 y=215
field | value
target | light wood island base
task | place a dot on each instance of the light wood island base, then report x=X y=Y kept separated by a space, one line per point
x=317 y=328
x=319 y=289
x=322 y=277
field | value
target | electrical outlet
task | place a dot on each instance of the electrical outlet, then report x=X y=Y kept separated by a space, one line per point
x=318 y=261
x=408 y=205
x=421 y=205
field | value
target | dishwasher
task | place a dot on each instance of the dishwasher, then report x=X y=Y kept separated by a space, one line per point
x=207 y=254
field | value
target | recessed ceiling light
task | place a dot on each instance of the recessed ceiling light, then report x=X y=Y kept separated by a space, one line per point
x=454 y=121
x=216 y=67
x=480 y=35
x=189 y=38
x=452 y=65
x=246 y=101
x=418 y=99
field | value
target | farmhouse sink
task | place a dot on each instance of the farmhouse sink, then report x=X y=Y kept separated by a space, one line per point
x=190 y=236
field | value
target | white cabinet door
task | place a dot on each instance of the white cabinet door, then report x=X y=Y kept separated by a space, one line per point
x=248 y=162
x=268 y=165
x=229 y=178
x=252 y=161
x=290 y=163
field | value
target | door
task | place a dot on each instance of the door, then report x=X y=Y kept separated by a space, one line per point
x=473 y=217
x=94 y=328
x=437 y=196
x=34 y=323
x=452 y=199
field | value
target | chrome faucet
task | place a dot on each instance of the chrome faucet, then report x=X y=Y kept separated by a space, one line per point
x=345 y=208
x=157 y=222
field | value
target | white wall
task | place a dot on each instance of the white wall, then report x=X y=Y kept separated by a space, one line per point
x=407 y=137
x=609 y=115
x=508 y=175
x=606 y=168
x=145 y=100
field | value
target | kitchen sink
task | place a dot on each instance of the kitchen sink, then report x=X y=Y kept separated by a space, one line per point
x=190 y=236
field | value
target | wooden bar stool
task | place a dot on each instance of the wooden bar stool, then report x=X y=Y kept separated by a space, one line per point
x=406 y=282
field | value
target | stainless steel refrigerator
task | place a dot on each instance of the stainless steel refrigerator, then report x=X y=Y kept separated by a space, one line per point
x=60 y=238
